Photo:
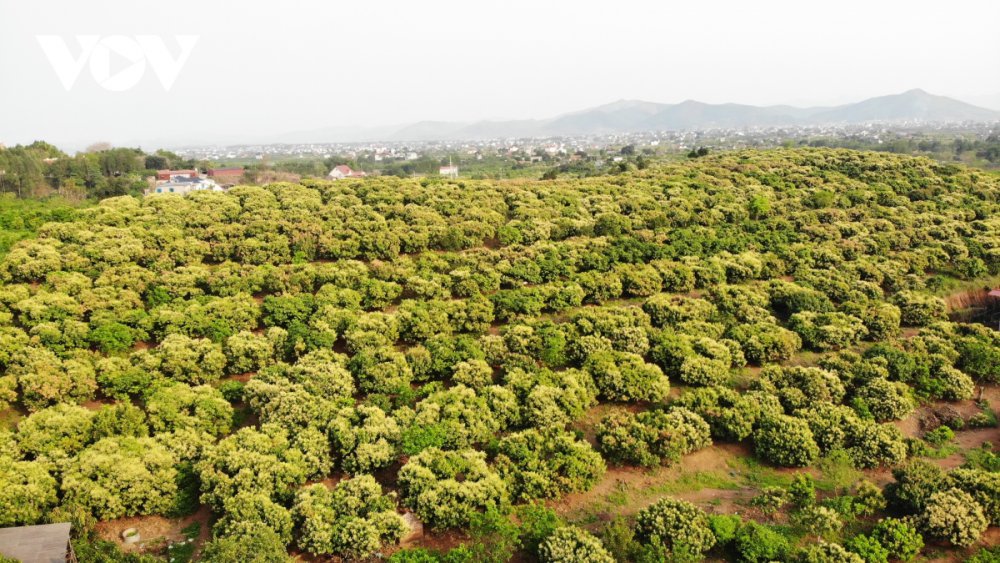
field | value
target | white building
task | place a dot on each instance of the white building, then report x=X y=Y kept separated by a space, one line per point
x=344 y=171
x=183 y=185
x=450 y=171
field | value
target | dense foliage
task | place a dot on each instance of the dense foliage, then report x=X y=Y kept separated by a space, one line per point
x=469 y=345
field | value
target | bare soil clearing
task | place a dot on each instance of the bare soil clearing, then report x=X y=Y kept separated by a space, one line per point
x=155 y=531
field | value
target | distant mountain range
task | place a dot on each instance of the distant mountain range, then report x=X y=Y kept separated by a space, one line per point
x=628 y=116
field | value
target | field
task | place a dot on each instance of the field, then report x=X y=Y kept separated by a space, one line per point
x=780 y=355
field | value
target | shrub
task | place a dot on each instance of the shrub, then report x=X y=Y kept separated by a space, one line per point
x=495 y=537
x=252 y=544
x=418 y=437
x=802 y=490
x=550 y=400
x=730 y=414
x=45 y=379
x=188 y=360
x=873 y=445
x=355 y=518
x=364 y=438
x=771 y=499
x=940 y=436
x=801 y=387
x=573 y=545
x=537 y=523
x=118 y=477
x=27 y=492
x=414 y=555
x=985 y=555
x=56 y=432
x=786 y=441
x=882 y=321
x=120 y=419
x=112 y=337
x=677 y=525
x=725 y=527
x=868 y=548
x=913 y=486
x=899 y=538
x=254 y=510
x=983 y=486
x=824 y=552
x=476 y=374
x=445 y=488
x=600 y=286
x=788 y=298
x=466 y=415
x=868 y=499
x=756 y=543
x=948 y=383
x=765 y=342
x=919 y=310
x=247 y=352
x=622 y=376
x=120 y=379
x=667 y=310
x=979 y=357
x=380 y=370
x=886 y=400
x=953 y=515
x=827 y=331
x=653 y=437
x=820 y=520
x=251 y=460
x=232 y=390
x=179 y=406
x=537 y=466
x=699 y=370
x=640 y=281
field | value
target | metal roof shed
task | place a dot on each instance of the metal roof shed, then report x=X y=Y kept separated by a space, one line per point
x=46 y=543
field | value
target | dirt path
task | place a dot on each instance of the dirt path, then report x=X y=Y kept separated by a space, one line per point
x=915 y=425
x=705 y=477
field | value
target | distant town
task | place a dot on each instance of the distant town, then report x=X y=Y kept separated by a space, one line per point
x=516 y=156
x=106 y=171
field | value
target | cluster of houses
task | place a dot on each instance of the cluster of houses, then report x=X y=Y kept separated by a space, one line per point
x=220 y=179
x=186 y=181
x=344 y=171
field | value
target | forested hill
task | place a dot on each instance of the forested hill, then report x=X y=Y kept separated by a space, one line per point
x=307 y=363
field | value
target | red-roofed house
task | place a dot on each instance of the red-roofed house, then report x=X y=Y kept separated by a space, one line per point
x=226 y=176
x=164 y=175
x=344 y=171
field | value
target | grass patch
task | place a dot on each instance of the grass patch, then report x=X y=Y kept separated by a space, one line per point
x=923 y=448
x=181 y=552
x=620 y=496
x=837 y=472
x=192 y=530
x=944 y=285
x=944 y=451
x=982 y=457
x=626 y=495
x=757 y=475
x=696 y=481
x=792 y=532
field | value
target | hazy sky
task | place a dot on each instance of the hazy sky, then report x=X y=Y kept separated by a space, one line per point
x=262 y=68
